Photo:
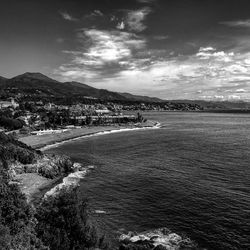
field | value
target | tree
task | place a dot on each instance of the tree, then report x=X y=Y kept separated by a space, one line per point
x=11 y=124
x=17 y=222
x=64 y=223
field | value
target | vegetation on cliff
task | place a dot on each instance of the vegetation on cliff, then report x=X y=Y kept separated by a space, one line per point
x=17 y=221
x=10 y=124
x=14 y=150
x=64 y=223
x=58 y=222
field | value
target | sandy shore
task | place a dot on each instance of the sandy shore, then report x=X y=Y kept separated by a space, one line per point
x=40 y=141
x=35 y=186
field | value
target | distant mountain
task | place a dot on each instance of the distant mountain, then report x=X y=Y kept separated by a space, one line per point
x=218 y=105
x=89 y=91
x=32 y=77
x=2 y=80
x=38 y=84
x=141 y=98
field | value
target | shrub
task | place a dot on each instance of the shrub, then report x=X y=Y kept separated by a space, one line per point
x=14 y=150
x=10 y=124
x=17 y=222
x=64 y=223
x=55 y=166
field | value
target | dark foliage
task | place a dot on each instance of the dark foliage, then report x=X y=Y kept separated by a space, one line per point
x=14 y=150
x=10 y=124
x=64 y=223
x=17 y=222
x=59 y=166
x=59 y=222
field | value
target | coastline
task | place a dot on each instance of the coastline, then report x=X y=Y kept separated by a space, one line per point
x=44 y=186
x=43 y=142
x=40 y=190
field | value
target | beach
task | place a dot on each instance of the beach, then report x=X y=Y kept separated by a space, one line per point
x=41 y=141
x=35 y=186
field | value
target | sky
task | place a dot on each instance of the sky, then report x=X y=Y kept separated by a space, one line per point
x=171 y=49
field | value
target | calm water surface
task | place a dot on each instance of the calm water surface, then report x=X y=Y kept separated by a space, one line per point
x=192 y=176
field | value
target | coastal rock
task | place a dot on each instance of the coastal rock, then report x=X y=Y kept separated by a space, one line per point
x=69 y=182
x=160 y=239
x=77 y=166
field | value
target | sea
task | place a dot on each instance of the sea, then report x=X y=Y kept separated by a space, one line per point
x=191 y=175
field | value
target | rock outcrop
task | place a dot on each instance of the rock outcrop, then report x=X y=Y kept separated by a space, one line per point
x=48 y=166
x=160 y=239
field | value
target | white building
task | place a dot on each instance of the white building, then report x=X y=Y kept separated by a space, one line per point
x=102 y=111
x=6 y=104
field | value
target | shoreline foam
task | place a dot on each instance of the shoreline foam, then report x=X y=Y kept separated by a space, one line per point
x=41 y=141
x=70 y=181
x=105 y=132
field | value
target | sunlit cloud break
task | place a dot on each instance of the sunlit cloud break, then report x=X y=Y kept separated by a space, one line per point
x=105 y=48
x=214 y=71
x=67 y=16
x=237 y=23
x=120 y=51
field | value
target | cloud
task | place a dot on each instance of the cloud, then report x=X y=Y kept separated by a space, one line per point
x=135 y=19
x=94 y=14
x=161 y=37
x=113 y=18
x=206 y=49
x=60 y=40
x=212 y=75
x=236 y=68
x=240 y=91
x=121 y=26
x=221 y=97
x=146 y=1
x=97 y=13
x=239 y=23
x=233 y=97
x=107 y=46
x=123 y=61
x=67 y=16
x=101 y=52
x=209 y=52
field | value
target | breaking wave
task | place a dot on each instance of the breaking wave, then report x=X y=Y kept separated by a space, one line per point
x=100 y=212
x=70 y=181
x=54 y=145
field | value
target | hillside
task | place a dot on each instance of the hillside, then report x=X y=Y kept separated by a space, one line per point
x=2 y=80
x=218 y=105
x=27 y=215
x=140 y=98
x=14 y=150
x=37 y=84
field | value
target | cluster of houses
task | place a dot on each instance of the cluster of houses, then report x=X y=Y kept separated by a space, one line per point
x=40 y=116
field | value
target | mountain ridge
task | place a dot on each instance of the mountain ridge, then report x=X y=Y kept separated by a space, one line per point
x=35 y=83
x=2 y=79
x=33 y=75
